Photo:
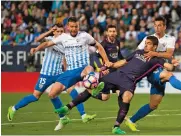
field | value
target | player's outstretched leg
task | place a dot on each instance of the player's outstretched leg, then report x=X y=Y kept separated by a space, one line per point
x=22 y=103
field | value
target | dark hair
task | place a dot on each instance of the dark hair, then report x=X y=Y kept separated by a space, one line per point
x=110 y=26
x=72 y=19
x=58 y=25
x=161 y=18
x=153 y=39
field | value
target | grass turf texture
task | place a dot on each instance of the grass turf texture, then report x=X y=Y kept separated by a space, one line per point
x=39 y=118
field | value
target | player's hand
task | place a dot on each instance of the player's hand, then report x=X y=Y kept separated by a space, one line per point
x=33 y=51
x=53 y=28
x=108 y=64
x=175 y=62
x=150 y=55
x=105 y=72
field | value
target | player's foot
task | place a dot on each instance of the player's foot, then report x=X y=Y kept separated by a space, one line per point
x=63 y=110
x=63 y=121
x=10 y=114
x=88 y=118
x=99 y=88
x=131 y=125
x=117 y=130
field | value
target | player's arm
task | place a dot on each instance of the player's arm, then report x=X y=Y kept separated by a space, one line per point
x=103 y=54
x=124 y=61
x=170 y=44
x=42 y=46
x=43 y=35
x=167 y=55
x=119 y=63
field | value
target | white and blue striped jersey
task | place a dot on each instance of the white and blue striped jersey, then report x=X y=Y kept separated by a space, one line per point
x=167 y=41
x=75 y=48
x=52 y=61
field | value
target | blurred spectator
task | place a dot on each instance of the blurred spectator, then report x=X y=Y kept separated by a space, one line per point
x=131 y=42
x=175 y=11
x=178 y=42
x=126 y=18
x=131 y=32
x=102 y=19
x=28 y=36
x=96 y=33
x=164 y=9
x=142 y=34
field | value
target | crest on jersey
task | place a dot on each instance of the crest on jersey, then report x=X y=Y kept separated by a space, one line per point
x=40 y=86
x=77 y=40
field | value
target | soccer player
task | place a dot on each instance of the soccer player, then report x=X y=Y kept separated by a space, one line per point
x=75 y=45
x=125 y=80
x=165 y=50
x=51 y=69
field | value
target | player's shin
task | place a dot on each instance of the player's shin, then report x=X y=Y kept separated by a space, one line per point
x=122 y=113
x=82 y=97
x=57 y=103
x=80 y=107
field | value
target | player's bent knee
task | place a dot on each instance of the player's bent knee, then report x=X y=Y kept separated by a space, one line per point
x=127 y=96
x=153 y=106
x=56 y=90
x=37 y=94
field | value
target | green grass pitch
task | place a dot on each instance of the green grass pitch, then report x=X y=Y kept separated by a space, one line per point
x=39 y=119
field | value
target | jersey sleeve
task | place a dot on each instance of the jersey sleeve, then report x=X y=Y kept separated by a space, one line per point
x=142 y=44
x=90 y=40
x=171 y=42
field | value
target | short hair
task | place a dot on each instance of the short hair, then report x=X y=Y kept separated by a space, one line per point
x=72 y=19
x=110 y=26
x=58 y=25
x=161 y=18
x=153 y=39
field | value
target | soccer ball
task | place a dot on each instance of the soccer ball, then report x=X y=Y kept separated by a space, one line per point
x=90 y=81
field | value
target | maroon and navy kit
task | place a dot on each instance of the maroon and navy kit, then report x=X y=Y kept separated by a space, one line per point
x=126 y=77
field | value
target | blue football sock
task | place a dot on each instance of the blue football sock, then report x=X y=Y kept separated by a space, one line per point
x=175 y=82
x=25 y=101
x=142 y=112
x=80 y=107
x=57 y=103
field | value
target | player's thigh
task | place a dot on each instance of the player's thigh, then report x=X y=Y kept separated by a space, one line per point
x=43 y=83
x=70 y=77
x=155 y=100
x=56 y=89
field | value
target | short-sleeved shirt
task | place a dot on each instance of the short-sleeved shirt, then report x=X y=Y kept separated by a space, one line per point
x=75 y=48
x=165 y=42
x=52 y=61
x=112 y=50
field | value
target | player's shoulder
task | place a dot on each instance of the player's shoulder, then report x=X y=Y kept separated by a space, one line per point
x=83 y=33
x=169 y=37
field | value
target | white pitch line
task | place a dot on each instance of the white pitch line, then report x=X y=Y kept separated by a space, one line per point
x=35 y=122
x=90 y=112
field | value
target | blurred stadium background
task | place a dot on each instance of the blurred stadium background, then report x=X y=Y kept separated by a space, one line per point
x=22 y=22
